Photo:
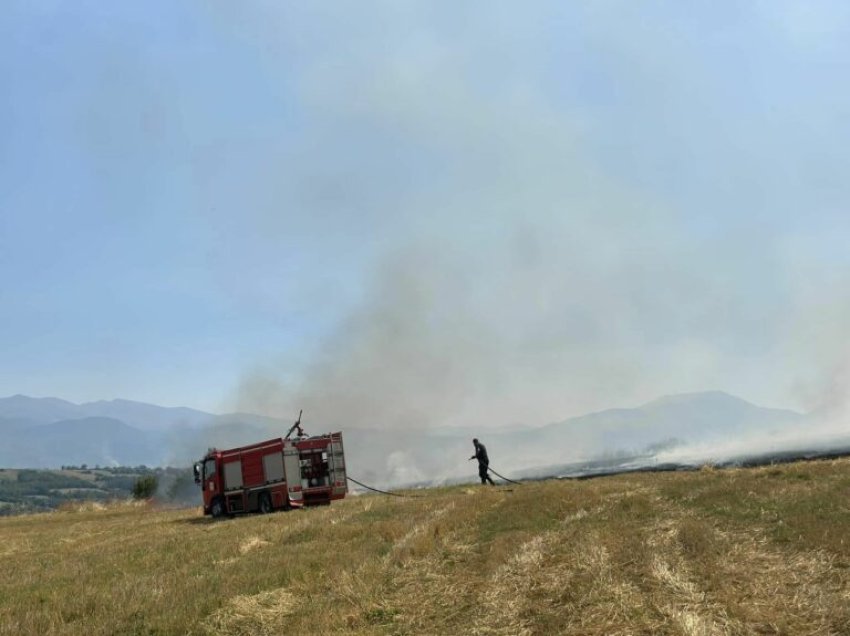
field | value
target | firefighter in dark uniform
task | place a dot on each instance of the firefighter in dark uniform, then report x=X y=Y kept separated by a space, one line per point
x=483 y=462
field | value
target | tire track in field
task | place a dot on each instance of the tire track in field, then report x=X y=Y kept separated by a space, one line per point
x=532 y=572
x=430 y=587
x=418 y=531
x=753 y=585
x=683 y=601
x=791 y=592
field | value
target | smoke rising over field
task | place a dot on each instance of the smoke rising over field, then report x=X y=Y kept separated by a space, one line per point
x=529 y=247
x=411 y=217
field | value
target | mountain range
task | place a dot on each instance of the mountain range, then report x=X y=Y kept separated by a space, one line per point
x=709 y=426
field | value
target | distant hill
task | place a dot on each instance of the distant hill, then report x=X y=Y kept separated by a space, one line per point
x=48 y=432
x=669 y=422
x=38 y=410
x=90 y=440
x=137 y=414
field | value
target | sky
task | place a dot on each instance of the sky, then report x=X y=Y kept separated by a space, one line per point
x=423 y=214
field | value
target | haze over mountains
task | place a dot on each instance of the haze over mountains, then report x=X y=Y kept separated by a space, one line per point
x=711 y=426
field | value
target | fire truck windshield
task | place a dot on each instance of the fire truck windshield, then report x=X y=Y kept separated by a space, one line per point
x=209 y=469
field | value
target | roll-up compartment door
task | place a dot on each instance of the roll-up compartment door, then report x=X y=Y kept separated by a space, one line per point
x=233 y=475
x=273 y=467
x=292 y=469
x=336 y=464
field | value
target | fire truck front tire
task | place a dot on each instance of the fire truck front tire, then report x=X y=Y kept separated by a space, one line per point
x=217 y=508
x=265 y=503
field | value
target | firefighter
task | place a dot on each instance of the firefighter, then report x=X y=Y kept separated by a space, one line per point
x=483 y=461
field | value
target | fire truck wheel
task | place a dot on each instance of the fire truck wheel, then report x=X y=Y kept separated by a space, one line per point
x=217 y=508
x=265 y=503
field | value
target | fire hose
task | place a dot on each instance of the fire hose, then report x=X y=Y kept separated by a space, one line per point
x=383 y=492
x=503 y=477
x=398 y=494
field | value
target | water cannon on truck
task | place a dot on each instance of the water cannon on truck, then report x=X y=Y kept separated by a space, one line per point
x=276 y=474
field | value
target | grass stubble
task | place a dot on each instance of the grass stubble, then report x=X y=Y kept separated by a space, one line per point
x=744 y=551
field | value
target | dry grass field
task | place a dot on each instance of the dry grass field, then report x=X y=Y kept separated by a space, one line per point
x=748 y=551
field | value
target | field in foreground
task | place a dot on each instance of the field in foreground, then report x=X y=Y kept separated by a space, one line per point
x=747 y=551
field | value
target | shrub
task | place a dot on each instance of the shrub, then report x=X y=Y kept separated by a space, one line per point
x=145 y=487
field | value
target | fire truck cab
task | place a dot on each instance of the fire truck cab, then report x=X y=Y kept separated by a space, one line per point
x=277 y=474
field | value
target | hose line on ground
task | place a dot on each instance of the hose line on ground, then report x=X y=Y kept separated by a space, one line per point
x=503 y=477
x=383 y=492
x=398 y=494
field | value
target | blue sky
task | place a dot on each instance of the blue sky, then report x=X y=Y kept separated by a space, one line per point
x=422 y=213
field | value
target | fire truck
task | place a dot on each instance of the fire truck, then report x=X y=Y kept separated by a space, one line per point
x=277 y=474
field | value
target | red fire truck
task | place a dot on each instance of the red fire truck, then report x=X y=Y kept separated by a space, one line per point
x=280 y=473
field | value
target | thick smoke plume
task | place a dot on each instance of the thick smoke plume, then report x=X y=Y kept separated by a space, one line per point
x=514 y=261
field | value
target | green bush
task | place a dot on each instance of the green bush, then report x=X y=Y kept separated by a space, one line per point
x=145 y=487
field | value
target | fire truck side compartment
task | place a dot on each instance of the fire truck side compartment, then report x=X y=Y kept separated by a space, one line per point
x=252 y=469
x=273 y=467
x=337 y=466
x=293 y=473
x=233 y=475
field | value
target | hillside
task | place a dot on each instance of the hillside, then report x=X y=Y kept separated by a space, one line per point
x=26 y=490
x=738 y=551
x=137 y=414
x=688 y=428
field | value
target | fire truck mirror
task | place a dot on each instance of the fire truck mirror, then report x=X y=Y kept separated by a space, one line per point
x=197 y=470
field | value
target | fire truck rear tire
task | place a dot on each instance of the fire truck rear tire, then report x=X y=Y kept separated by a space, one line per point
x=265 y=503
x=217 y=508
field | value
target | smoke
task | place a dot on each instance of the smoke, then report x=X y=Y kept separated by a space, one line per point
x=410 y=217
x=503 y=233
x=517 y=282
